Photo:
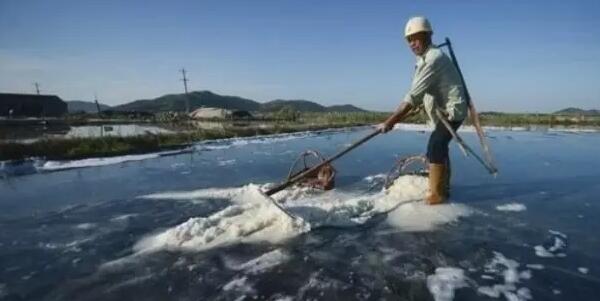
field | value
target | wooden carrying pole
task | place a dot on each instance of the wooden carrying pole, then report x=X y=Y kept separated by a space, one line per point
x=472 y=112
x=300 y=176
x=463 y=146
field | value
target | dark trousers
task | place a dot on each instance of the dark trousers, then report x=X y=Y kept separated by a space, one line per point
x=437 y=148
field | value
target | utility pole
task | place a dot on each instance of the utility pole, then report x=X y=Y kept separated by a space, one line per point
x=187 y=100
x=96 y=101
x=37 y=87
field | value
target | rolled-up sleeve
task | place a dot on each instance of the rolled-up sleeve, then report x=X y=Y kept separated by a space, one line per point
x=424 y=78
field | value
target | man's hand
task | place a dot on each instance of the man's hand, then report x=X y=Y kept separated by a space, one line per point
x=384 y=127
x=399 y=115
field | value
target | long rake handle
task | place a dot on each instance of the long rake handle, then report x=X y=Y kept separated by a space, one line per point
x=300 y=176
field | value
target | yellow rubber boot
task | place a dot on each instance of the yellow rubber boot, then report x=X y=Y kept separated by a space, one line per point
x=447 y=179
x=437 y=178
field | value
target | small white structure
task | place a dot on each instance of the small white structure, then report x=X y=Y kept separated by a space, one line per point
x=210 y=113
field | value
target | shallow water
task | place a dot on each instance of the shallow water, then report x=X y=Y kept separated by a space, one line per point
x=191 y=226
x=31 y=133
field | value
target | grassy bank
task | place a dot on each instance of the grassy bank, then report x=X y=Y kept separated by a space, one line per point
x=550 y=120
x=487 y=119
x=78 y=148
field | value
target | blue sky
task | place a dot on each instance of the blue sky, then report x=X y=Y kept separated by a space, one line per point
x=517 y=56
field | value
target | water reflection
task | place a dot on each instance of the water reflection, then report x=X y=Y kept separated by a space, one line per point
x=121 y=130
x=218 y=125
x=29 y=134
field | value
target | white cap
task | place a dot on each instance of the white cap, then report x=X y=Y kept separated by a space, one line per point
x=417 y=24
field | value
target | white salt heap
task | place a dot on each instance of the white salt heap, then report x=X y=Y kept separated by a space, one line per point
x=252 y=216
x=402 y=201
x=417 y=216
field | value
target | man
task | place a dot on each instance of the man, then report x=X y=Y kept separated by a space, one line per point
x=436 y=86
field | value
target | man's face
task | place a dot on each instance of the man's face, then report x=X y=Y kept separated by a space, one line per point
x=418 y=42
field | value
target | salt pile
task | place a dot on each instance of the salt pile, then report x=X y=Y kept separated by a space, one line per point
x=253 y=217
x=417 y=216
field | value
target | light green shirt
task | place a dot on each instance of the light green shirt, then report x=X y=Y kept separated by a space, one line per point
x=437 y=84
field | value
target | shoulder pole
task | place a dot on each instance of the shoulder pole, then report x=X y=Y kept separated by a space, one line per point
x=472 y=111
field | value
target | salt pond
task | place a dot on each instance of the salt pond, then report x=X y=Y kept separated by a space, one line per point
x=194 y=225
x=30 y=134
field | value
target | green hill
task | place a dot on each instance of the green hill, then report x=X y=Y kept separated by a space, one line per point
x=306 y=106
x=75 y=106
x=577 y=111
x=344 y=108
x=298 y=105
x=177 y=102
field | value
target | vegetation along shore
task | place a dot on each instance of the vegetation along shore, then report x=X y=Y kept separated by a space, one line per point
x=285 y=122
x=227 y=116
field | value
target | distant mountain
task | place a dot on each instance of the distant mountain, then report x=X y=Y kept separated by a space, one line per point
x=577 y=111
x=306 y=106
x=74 y=106
x=298 y=105
x=344 y=108
x=177 y=102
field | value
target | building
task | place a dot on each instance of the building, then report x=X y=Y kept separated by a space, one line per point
x=31 y=105
x=210 y=113
x=218 y=113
